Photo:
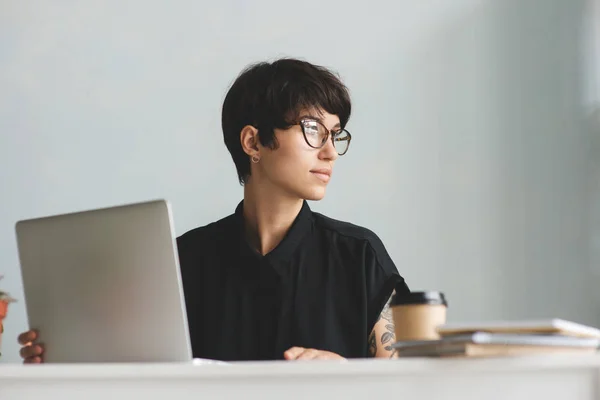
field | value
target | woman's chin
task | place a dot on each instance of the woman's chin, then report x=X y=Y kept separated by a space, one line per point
x=315 y=195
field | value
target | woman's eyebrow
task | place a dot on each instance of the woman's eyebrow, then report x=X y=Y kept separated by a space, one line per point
x=311 y=117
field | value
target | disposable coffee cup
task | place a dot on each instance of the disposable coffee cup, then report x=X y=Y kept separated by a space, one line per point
x=418 y=314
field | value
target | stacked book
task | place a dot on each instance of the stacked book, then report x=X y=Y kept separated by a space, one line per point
x=505 y=338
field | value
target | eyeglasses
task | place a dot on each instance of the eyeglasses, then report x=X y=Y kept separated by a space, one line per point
x=316 y=136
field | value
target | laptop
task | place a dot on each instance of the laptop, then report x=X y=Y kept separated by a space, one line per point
x=104 y=285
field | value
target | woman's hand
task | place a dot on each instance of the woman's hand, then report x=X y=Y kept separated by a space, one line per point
x=300 y=353
x=31 y=352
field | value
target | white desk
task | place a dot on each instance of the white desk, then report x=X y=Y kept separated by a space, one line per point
x=546 y=377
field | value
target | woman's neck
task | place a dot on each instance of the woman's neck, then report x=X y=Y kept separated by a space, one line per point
x=268 y=216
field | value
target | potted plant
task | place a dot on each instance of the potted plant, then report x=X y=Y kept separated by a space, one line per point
x=5 y=299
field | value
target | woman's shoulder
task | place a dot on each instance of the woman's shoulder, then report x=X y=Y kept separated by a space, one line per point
x=348 y=231
x=207 y=233
x=361 y=246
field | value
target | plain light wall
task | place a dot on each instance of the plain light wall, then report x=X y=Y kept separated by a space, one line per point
x=470 y=152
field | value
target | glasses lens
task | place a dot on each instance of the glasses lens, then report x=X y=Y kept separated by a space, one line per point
x=316 y=134
x=341 y=141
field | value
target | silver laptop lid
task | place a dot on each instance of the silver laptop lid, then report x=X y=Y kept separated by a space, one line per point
x=104 y=285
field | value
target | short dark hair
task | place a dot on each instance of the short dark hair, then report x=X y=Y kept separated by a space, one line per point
x=270 y=95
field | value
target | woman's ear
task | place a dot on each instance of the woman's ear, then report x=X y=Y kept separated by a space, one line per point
x=249 y=140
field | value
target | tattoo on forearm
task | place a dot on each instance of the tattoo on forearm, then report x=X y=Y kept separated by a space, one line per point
x=386 y=313
x=389 y=337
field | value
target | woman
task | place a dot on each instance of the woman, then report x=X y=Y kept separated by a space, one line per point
x=274 y=279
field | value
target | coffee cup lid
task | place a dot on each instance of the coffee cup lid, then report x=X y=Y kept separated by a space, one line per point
x=426 y=297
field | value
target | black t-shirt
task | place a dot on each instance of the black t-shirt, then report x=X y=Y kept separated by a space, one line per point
x=322 y=287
